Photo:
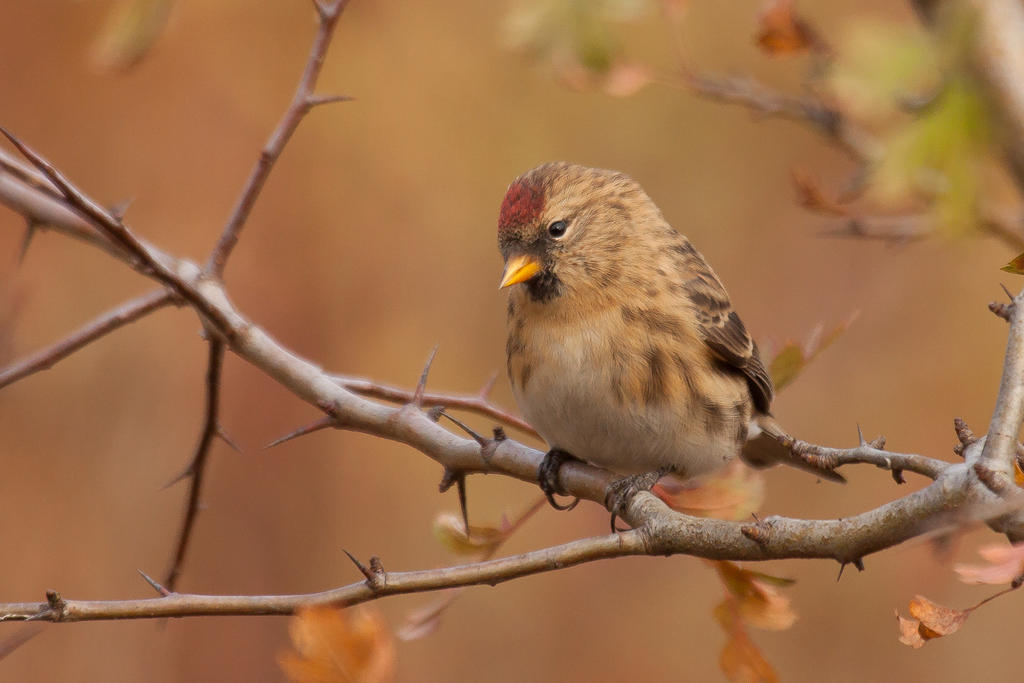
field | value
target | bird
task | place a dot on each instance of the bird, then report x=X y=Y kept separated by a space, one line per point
x=623 y=347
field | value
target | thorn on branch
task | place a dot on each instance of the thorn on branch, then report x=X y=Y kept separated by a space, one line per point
x=322 y=423
x=421 y=386
x=453 y=477
x=31 y=228
x=487 y=446
x=119 y=210
x=226 y=438
x=897 y=476
x=499 y=433
x=434 y=413
x=375 y=576
x=318 y=100
x=158 y=587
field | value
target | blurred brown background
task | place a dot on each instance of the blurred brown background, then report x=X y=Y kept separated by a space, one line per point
x=373 y=241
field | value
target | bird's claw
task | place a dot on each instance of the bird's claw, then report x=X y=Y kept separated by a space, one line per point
x=621 y=491
x=547 y=477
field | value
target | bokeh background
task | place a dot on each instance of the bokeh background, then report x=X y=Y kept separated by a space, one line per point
x=373 y=241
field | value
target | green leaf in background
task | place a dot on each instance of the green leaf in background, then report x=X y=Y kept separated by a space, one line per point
x=1016 y=266
x=794 y=357
x=572 y=33
x=132 y=28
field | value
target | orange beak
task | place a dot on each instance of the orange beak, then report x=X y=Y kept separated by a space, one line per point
x=519 y=269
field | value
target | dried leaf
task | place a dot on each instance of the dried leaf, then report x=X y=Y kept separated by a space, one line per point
x=334 y=645
x=1006 y=565
x=936 y=620
x=740 y=660
x=791 y=360
x=422 y=622
x=623 y=79
x=782 y=31
x=451 y=531
x=810 y=196
x=909 y=634
x=754 y=597
x=1016 y=266
x=732 y=493
x=132 y=29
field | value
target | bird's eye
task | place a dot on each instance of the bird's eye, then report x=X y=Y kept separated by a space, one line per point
x=557 y=229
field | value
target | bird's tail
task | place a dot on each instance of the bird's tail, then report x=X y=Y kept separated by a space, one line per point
x=768 y=445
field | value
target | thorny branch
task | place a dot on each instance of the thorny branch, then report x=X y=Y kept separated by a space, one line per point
x=960 y=491
x=104 y=324
x=478 y=403
x=197 y=466
x=303 y=101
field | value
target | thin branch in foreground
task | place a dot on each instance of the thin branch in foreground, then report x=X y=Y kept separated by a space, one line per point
x=197 y=466
x=104 y=324
x=746 y=92
x=388 y=583
x=477 y=403
x=302 y=102
x=138 y=255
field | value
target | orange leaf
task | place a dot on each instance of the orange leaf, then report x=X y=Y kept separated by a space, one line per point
x=810 y=196
x=623 y=80
x=909 y=634
x=1006 y=564
x=754 y=598
x=936 y=620
x=335 y=646
x=451 y=531
x=732 y=493
x=782 y=31
x=741 y=660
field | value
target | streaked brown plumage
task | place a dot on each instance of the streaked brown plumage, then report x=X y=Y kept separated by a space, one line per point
x=623 y=348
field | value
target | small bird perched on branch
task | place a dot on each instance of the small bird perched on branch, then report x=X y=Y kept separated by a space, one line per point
x=623 y=348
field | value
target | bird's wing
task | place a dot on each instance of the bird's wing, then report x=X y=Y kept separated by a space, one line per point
x=724 y=332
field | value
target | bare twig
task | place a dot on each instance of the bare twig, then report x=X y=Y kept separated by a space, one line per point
x=391 y=583
x=871 y=454
x=106 y=323
x=1000 y=450
x=197 y=466
x=139 y=255
x=302 y=102
x=476 y=403
x=895 y=230
x=746 y=92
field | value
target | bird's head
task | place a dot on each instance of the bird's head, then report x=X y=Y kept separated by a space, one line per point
x=565 y=227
